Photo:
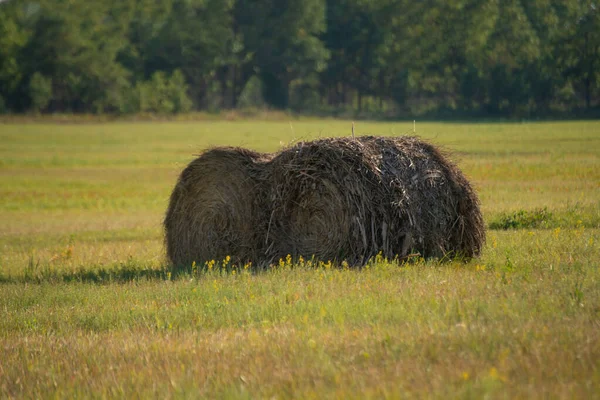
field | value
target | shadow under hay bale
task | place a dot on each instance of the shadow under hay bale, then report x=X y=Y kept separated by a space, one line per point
x=431 y=202
x=215 y=209
x=326 y=202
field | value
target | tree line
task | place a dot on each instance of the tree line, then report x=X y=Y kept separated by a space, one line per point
x=392 y=57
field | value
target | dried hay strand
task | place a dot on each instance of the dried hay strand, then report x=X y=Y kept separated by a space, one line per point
x=325 y=201
x=215 y=208
x=431 y=203
x=350 y=199
x=337 y=199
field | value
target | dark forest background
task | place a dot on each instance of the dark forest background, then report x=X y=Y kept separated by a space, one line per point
x=388 y=58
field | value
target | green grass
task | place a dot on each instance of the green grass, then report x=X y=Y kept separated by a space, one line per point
x=88 y=308
x=542 y=218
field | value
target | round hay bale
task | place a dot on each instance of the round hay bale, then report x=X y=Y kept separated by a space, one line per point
x=432 y=206
x=215 y=209
x=325 y=201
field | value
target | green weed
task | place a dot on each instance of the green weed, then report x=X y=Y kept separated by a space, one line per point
x=523 y=220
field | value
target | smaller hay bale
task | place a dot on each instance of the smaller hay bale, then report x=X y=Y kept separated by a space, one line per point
x=429 y=199
x=325 y=202
x=215 y=208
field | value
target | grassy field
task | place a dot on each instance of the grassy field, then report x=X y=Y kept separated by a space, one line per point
x=87 y=308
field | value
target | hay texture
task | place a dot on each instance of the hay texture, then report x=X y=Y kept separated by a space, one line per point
x=350 y=199
x=215 y=208
x=325 y=197
x=338 y=199
x=432 y=207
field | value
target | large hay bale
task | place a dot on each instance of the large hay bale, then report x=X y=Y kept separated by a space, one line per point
x=431 y=202
x=339 y=199
x=350 y=199
x=325 y=201
x=215 y=209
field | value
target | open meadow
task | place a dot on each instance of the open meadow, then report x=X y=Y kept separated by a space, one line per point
x=88 y=308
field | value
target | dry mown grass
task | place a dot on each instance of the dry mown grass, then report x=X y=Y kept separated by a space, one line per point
x=284 y=362
x=88 y=310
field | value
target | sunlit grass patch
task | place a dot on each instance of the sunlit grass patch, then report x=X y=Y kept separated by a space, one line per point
x=543 y=218
x=497 y=326
x=538 y=218
x=90 y=308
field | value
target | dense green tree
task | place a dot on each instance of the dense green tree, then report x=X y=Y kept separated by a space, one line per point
x=13 y=37
x=579 y=49
x=193 y=39
x=147 y=19
x=356 y=37
x=76 y=44
x=40 y=91
x=282 y=37
x=481 y=57
x=162 y=94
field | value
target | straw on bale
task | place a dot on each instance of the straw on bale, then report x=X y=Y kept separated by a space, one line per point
x=350 y=199
x=215 y=209
x=326 y=201
x=338 y=199
x=432 y=206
